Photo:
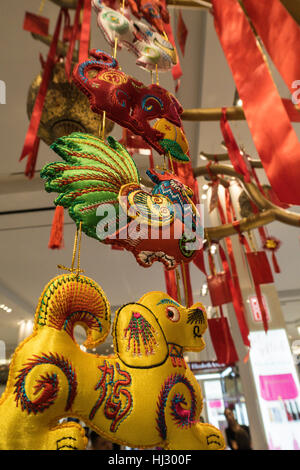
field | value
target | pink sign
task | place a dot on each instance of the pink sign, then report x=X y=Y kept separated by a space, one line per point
x=255 y=310
x=215 y=404
x=274 y=386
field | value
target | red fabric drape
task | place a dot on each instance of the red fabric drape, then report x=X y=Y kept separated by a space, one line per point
x=272 y=132
x=270 y=17
x=222 y=340
x=84 y=45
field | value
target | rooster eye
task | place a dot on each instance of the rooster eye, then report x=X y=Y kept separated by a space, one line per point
x=173 y=314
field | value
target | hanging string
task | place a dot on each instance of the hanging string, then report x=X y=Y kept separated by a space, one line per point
x=178 y=285
x=186 y=294
x=74 y=250
x=251 y=241
x=171 y=162
x=77 y=242
x=115 y=48
x=156 y=74
x=42 y=5
x=103 y=124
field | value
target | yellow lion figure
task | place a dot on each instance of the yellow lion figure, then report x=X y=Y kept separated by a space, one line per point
x=142 y=396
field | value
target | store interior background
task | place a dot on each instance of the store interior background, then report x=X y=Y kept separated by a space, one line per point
x=26 y=262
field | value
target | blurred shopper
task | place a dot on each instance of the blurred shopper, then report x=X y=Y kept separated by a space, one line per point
x=237 y=436
x=97 y=442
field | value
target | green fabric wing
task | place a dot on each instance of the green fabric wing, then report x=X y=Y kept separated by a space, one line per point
x=91 y=175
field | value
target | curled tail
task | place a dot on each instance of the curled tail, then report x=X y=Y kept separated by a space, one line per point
x=183 y=415
x=91 y=176
x=68 y=300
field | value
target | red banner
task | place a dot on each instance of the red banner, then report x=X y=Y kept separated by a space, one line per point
x=272 y=132
x=222 y=340
x=270 y=17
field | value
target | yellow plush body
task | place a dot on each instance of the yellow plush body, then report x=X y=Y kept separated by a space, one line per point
x=142 y=396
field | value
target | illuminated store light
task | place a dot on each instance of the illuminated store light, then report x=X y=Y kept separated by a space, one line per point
x=5 y=308
x=204 y=290
x=213 y=249
x=25 y=329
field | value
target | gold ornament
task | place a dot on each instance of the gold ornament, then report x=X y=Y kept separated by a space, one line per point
x=66 y=109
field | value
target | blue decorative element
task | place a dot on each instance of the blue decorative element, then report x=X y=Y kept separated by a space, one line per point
x=168 y=301
x=121 y=101
x=149 y=107
x=47 y=384
x=82 y=67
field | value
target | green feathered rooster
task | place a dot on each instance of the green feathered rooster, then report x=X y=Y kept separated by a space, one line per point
x=99 y=184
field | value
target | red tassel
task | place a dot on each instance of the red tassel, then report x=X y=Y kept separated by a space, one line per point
x=32 y=158
x=275 y=263
x=56 y=236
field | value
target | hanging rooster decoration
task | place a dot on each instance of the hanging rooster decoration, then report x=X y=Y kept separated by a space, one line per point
x=97 y=178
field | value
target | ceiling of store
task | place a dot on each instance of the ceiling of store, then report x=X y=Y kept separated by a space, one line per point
x=26 y=262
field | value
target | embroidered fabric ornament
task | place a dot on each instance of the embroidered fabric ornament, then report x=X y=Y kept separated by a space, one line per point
x=100 y=185
x=125 y=100
x=153 y=11
x=174 y=141
x=151 y=48
x=144 y=395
